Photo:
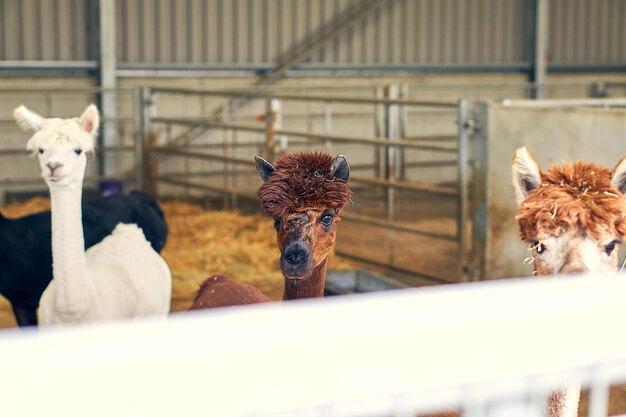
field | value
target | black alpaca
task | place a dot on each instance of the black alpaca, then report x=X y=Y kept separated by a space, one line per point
x=26 y=252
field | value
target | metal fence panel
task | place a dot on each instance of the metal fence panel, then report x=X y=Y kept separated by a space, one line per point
x=414 y=222
x=476 y=348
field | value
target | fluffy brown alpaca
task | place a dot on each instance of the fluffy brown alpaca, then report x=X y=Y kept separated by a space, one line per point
x=305 y=193
x=572 y=216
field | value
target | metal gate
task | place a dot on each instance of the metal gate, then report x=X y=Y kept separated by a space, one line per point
x=408 y=160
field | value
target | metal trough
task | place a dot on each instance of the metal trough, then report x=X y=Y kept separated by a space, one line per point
x=357 y=281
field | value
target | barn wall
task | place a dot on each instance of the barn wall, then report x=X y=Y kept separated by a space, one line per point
x=552 y=135
x=45 y=30
x=584 y=31
x=231 y=34
x=260 y=32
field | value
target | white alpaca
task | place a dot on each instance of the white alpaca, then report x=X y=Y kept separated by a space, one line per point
x=122 y=276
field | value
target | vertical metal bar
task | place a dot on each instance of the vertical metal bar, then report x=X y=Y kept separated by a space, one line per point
x=599 y=395
x=107 y=78
x=390 y=124
x=146 y=113
x=378 y=116
x=387 y=172
x=387 y=164
x=463 y=192
x=479 y=195
x=540 y=46
x=139 y=141
x=226 y=167
x=234 y=201
x=146 y=104
x=402 y=132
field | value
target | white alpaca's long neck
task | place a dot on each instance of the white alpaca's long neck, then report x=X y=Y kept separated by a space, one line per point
x=69 y=266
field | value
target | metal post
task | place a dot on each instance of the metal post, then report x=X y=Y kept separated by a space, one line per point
x=391 y=131
x=464 y=125
x=226 y=168
x=140 y=167
x=390 y=112
x=540 y=46
x=107 y=76
x=599 y=394
x=145 y=131
x=378 y=132
x=479 y=196
x=234 y=200
x=146 y=111
x=402 y=132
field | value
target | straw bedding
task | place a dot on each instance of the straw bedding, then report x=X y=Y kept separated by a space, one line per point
x=204 y=242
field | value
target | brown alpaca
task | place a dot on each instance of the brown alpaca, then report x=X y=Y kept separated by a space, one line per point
x=572 y=216
x=305 y=193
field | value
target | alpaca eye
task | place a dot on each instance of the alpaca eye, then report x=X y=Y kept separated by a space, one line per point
x=78 y=151
x=326 y=219
x=276 y=223
x=539 y=246
x=610 y=247
x=40 y=151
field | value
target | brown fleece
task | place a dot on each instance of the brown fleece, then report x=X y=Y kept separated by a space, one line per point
x=221 y=291
x=578 y=195
x=303 y=181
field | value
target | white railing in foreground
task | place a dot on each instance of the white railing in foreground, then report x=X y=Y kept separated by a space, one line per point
x=490 y=349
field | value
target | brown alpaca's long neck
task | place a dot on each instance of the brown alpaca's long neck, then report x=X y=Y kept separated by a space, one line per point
x=564 y=403
x=311 y=286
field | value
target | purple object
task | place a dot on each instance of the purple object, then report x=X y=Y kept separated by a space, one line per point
x=111 y=187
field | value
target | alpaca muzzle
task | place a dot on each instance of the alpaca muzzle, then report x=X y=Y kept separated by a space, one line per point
x=295 y=260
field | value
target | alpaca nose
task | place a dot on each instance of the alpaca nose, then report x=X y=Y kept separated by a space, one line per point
x=54 y=165
x=296 y=254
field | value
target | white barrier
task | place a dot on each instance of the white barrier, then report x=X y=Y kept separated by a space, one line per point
x=493 y=349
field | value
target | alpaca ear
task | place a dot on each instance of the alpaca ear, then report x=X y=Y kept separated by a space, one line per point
x=526 y=174
x=619 y=176
x=340 y=168
x=90 y=119
x=27 y=119
x=266 y=170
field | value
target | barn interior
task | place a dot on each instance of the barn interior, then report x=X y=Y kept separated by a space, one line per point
x=427 y=100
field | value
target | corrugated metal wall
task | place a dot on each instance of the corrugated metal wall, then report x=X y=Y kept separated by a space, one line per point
x=258 y=33
x=45 y=30
x=588 y=31
x=261 y=32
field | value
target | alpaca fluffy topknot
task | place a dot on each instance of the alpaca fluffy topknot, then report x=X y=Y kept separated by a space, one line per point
x=578 y=195
x=303 y=181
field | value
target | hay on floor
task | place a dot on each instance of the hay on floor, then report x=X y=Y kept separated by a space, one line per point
x=203 y=242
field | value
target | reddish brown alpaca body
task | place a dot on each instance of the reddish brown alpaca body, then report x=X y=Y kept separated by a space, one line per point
x=305 y=194
x=572 y=216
